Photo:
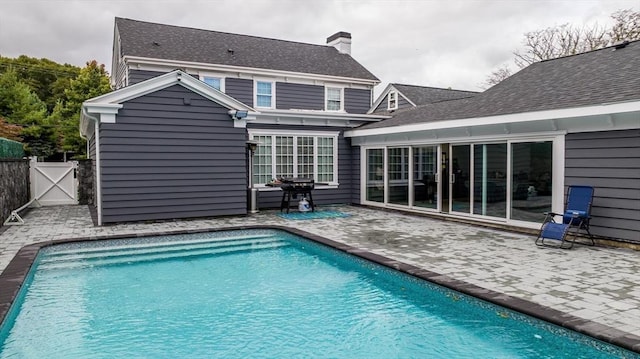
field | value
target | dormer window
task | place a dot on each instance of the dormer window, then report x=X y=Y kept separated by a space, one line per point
x=217 y=82
x=334 y=99
x=392 y=101
x=264 y=94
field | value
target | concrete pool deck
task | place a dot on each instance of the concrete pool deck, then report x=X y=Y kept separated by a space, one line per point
x=596 y=284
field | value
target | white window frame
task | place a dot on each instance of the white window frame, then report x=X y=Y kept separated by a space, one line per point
x=315 y=134
x=326 y=97
x=213 y=75
x=393 y=94
x=273 y=92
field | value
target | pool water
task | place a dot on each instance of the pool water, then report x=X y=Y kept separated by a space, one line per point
x=257 y=294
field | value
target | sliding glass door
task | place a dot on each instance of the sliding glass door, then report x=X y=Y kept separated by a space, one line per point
x=425 y=176
x=460 y=178
x=490 y=180
x=398 y=175
x=375 y=175
x=531 y=185
x=501 y=180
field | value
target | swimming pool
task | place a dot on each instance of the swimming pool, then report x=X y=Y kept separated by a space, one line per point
x=257 y=293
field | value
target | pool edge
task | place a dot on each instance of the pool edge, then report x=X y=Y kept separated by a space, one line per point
x=12 y=278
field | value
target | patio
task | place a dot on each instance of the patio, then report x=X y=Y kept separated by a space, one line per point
x=593 y=283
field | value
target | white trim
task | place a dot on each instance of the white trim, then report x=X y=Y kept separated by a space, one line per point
x=596 y=110
x=133 y=60
x=267 y=132
x=252 y=133
x=106 y=106
x=167 y=80
x=98 y=173
x=273 y=93
x=313 y=118
x=326 y=98
x=378 y=101
x=557 y=178
x=558 y=175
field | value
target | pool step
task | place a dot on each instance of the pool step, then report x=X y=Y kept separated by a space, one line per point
x=156 y=252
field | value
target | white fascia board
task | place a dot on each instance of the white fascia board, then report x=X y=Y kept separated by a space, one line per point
x=314 y=118
x=167 y=80
x=107 y=111
x=323 y=115
x=384 y=93
x=134 y=60
x=406 y=98
x=601 y=109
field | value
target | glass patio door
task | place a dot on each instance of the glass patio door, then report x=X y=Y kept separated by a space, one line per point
x=425 y=176
x=398 y=175
x=460 y=179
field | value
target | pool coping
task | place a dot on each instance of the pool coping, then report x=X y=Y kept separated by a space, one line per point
x=12 y=278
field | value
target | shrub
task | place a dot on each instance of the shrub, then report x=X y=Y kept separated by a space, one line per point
x=10 y=149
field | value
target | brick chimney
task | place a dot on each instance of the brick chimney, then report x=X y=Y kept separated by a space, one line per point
x=341 y=41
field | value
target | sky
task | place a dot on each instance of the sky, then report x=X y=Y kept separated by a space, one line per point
x=448 y=43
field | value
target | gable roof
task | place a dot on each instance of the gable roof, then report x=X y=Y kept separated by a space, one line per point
x=168 y=42
x=420 y=95
x=103 y=108
x=598 y=77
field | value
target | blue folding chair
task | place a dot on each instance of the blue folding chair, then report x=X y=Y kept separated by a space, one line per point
x=576 y=217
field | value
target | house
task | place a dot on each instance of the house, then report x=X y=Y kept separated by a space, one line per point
x=397 y=97
x=507 y=155
x=170 y=141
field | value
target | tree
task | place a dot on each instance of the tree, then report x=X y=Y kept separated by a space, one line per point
x=46 y=78
x=20 y=106
x=498 y=75
x=566 y=39
x=92 y=81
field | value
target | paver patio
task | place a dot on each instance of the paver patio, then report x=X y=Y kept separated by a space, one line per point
x=594 y=283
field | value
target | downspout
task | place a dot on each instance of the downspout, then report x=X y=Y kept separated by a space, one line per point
x=96 y=134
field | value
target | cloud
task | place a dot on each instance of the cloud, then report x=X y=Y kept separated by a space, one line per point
x=435 y=43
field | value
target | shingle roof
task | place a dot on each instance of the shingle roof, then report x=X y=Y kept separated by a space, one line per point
x=145 y=39
x=423 y=95
x=602 y=76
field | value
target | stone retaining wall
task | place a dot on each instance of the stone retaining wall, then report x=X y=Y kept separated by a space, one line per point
x=85 y=182
x=14 y=186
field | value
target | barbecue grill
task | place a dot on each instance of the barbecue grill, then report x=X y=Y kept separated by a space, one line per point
x=292 y=187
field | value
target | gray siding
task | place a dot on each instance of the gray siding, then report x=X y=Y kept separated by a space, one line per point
x=299 y=96
x=163 y=159
x=136 y=76
x=610 y=162
x=240 y=89
x=346 y=177
x=357 y=100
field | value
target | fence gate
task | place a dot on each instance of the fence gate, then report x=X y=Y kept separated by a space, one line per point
x=54 y=183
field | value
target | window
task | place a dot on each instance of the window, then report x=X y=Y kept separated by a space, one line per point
x=215 y=82
x=334 y=99
x=392 y=101
x=295 y=155
x=264 y=94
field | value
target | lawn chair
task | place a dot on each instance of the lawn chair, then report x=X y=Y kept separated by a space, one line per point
x=575 y=218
